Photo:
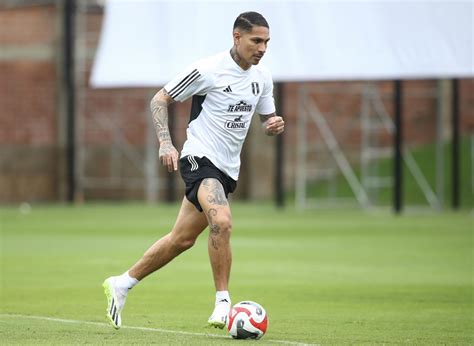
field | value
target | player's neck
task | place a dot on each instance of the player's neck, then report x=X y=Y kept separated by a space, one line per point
x=238 y=60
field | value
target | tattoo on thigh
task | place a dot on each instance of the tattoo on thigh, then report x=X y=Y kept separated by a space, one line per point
x=216 y=192
x=214 y=229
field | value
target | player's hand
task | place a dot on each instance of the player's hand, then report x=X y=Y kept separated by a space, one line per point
x=168 y=156
x=274 y=126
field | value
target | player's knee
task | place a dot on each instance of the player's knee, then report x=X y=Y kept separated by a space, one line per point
x=222 y=225
x=186 y=244
x=183 y=243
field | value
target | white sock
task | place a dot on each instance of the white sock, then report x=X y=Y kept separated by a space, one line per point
x=222 y=296
x=125 y=281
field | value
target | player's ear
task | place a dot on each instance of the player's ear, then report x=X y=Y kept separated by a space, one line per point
x=237 y=35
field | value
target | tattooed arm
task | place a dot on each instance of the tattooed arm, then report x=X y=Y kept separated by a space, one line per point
x=159 y=110
x=272 y=124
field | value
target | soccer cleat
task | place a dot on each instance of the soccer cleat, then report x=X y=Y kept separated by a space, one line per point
x=220 y=314
x=115 y=302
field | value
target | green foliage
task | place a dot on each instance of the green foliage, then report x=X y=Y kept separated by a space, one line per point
x=332 y=277
x=425 y=157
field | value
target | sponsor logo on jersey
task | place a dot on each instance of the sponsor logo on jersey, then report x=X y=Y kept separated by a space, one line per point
x=241 y=106
x=236 y=124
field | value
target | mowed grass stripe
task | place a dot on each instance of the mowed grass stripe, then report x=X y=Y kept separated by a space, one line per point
x=147 y=329
x=324 y=277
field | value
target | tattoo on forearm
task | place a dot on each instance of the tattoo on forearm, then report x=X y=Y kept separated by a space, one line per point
x=164 y=135
x=159 y=110
x=216 y=194
x=214 y=229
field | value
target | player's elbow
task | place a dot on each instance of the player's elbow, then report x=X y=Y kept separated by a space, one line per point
x=161 y=98
x=181 y=243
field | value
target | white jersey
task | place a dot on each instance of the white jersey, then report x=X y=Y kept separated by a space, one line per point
x=225 y=98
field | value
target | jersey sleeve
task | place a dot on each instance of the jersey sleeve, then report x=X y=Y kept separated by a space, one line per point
x=194 y=80
x=266 y=103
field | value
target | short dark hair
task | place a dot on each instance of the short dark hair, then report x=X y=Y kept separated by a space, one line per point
x=247 y=20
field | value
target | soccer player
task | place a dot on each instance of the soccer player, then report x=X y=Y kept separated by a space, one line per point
x=227 y=89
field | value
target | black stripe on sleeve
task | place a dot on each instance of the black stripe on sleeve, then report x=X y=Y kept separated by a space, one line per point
x=183 y=87
x=185 y=82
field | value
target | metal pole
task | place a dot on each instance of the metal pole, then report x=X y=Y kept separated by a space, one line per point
x=441 y=98
x=365 y=142
x=301 y=150
x=398 y=143
x=279 y=164
x=68 y=73
x=456 y=168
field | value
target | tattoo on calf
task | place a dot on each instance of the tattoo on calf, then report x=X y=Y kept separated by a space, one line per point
x=216 y=191
x=214 y=243
x=214 y=229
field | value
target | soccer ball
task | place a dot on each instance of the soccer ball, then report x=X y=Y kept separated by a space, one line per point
x=247 y=320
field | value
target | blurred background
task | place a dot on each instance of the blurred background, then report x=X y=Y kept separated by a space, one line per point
x=62 y=140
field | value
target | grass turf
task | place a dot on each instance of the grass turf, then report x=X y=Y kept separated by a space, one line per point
x=325 y=277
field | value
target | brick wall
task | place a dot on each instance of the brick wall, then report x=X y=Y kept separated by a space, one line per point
x=28 y=113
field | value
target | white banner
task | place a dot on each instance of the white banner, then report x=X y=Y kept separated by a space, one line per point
x=145 y=43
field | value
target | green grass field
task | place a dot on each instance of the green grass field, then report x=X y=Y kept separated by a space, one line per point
x=324 y=277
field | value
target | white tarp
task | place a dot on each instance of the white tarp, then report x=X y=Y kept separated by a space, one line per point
x=145 y=43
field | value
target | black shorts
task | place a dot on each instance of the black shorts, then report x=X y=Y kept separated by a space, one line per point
x=194 y=169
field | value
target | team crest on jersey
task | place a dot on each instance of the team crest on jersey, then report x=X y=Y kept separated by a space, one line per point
x=236 y=124
x=240 y=106
x=255 y=88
